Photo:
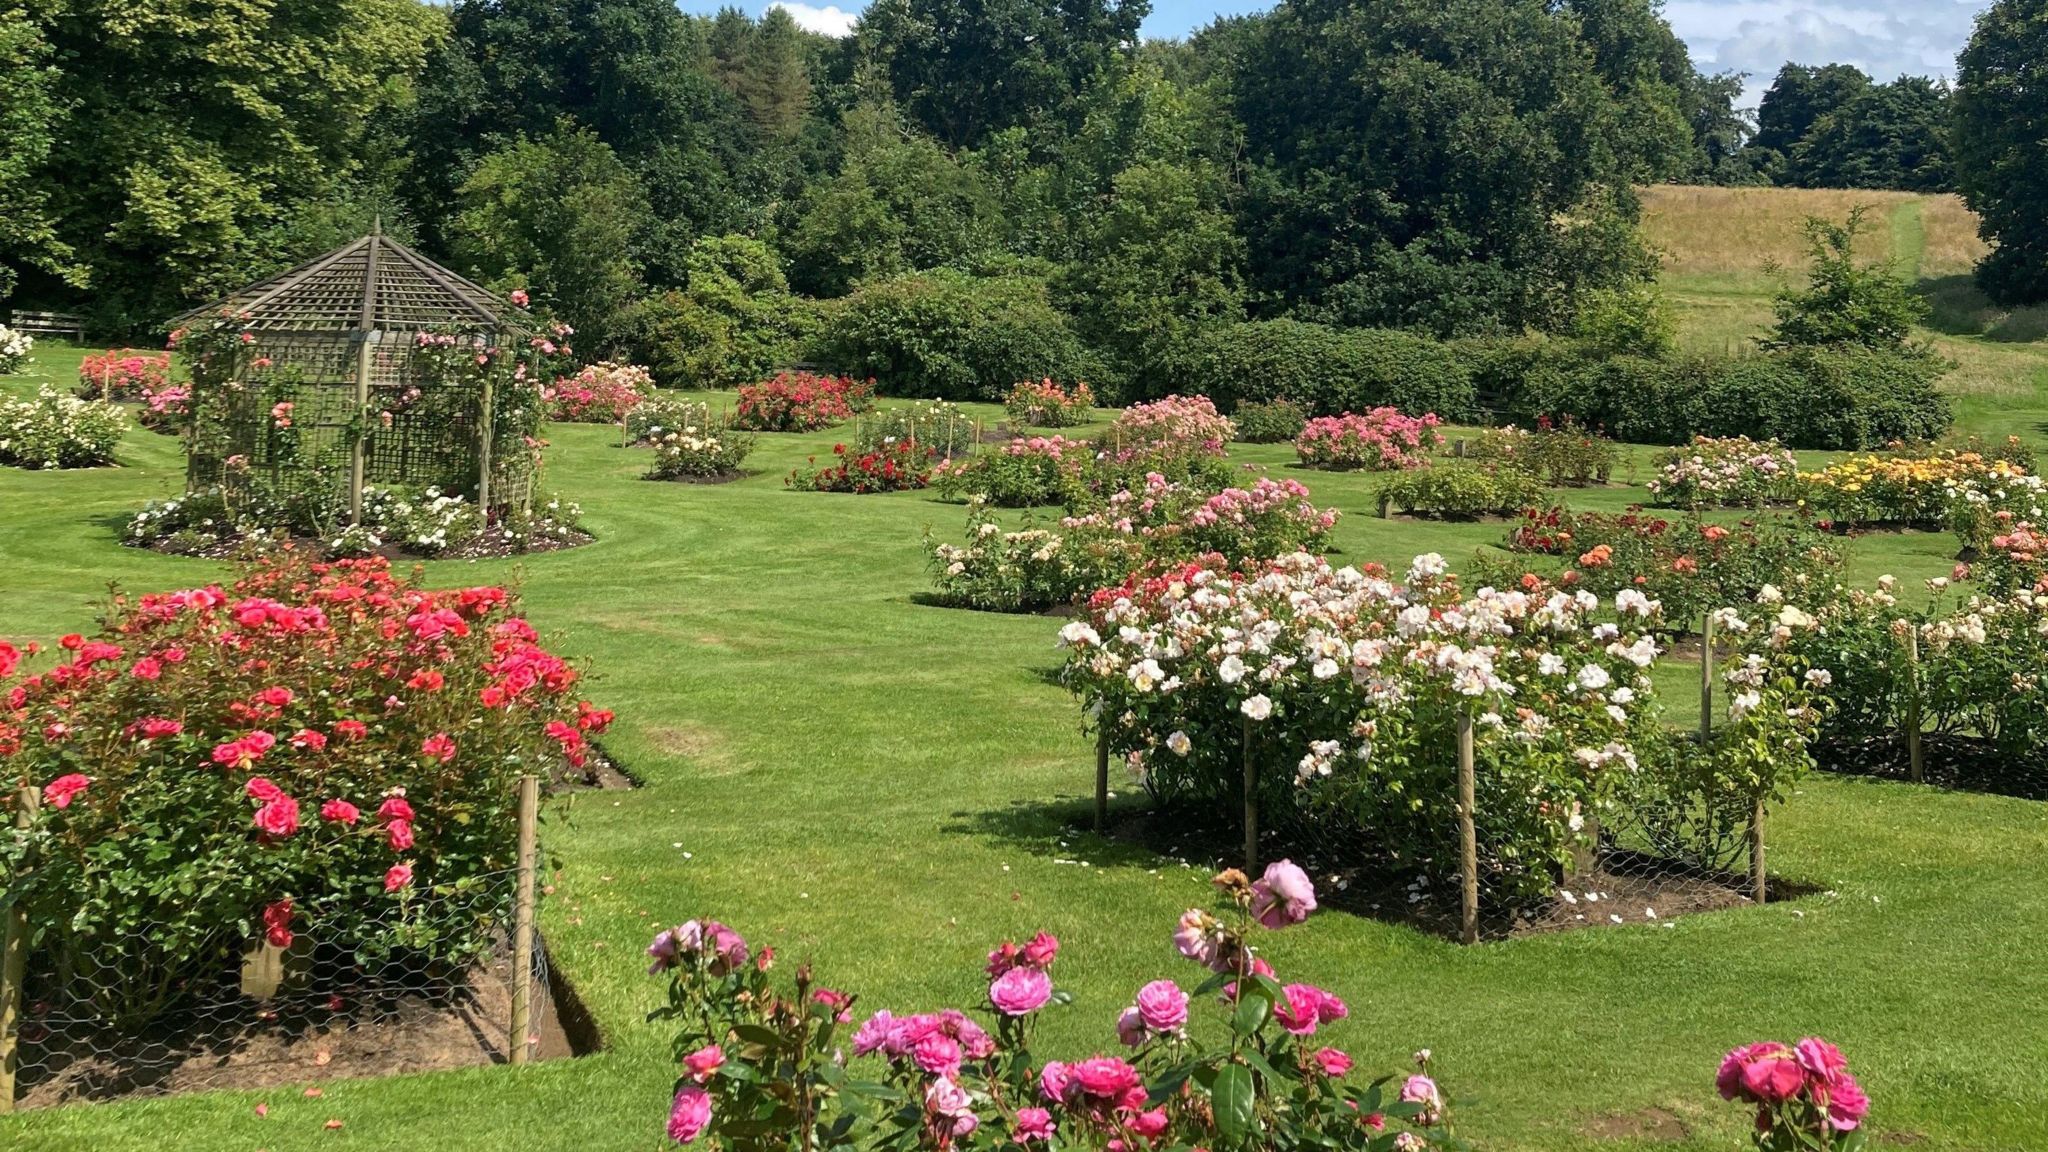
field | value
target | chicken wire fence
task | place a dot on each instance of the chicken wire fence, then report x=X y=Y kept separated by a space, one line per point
x=425 y=977
x=1673 y=839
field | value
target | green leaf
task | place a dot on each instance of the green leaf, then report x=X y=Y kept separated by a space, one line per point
x=1232 y=1100
x=1251 y=1015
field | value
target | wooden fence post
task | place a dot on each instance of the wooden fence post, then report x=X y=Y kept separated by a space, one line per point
x=1251 y=801
x=1706 y=679
x=1468 y=834
x=1757 y=885
x=518 y=1048
x=1915 y=757
x=1101 y=779
x=357 y=461
x=14 y=964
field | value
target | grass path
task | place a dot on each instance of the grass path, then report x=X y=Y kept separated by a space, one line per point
x=885 y=787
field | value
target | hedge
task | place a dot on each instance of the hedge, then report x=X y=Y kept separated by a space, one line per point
x=1326 y=370
x=951 y=336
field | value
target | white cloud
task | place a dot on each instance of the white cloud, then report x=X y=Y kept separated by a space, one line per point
x=1886 y=38
x=831 y=19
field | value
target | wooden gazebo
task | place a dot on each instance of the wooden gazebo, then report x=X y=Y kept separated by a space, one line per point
x=337 y=336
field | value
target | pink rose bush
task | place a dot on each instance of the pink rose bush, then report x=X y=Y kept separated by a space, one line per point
x=1044 y=404
x=1025 y=473
x=245 y=731
x=123 y=373
x=1382 y=440
x=603 y=393
x=764 y=1068
x=1805 y=1097
x=1177 y=426
x=165 y=408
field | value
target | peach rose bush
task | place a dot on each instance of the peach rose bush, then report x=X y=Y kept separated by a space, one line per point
x=763 y=1068
x=317 y=750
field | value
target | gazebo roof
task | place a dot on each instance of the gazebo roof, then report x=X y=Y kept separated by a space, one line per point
x=375 y=283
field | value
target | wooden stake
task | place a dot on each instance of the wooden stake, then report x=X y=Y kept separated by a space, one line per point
x=14 y=963
x=1101 y=779
x=356 y=461
x=1468 y=835
x=1757 y=889
x=1706 y=679
x=1915 y=765
x=484 y=435
x=1251 y=802
x=518 y=1048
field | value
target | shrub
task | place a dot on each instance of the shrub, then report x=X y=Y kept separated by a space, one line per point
x=1692 y=567
x=314 y=737
x=948 y=335
x=1269 y=421
x=167 y=409
x=1044 y=404
x=1168 y=428
x=1340 y=691
x=1381 y=440
x=1725 y=472
x=54 y=431
x=1175 y=522
x=1822 y=398
x=1329 y=370
x=122 y=373
x=14 y=350
x=1918 y=490
x=894 y=468
x=733 y=323
x=1460 y=490
x=1027 y=570
x=699 y=452
x=659 y=414
x=601 y=393
x=1560 y=453
x=423 y=522
x=764 y=1068
x=938 y=425
x=801 y=402
x=1025 y=473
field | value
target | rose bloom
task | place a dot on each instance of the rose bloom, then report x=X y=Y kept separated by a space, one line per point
x=1020 y=991
x=1301 y=1011
x=399 y=876
x=278 y=818
x=1130 y=1028
x=1332 y=1062
x=1034 y=1124
x=1283 y=895
x=59 y=793
x=689 y=1115
x=399 y=832
x=704 y=1062
x=1163 y=1006
x=340 y=812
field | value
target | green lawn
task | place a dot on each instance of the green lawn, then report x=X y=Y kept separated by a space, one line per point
x=885 y=787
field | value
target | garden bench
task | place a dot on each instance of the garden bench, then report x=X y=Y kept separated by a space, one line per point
x=49 y=324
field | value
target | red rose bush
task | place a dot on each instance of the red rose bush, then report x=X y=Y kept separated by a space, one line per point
x=764 y=1068
x=216 y=763
x=801 y=402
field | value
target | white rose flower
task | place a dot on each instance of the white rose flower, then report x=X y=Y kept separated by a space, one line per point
x=1258 y=707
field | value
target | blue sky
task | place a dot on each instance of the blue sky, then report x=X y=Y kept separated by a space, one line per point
x=1886 y=38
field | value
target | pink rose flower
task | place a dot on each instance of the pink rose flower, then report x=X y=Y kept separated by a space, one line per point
x=1034 y=1124
x=1130 y=1028
x=1020 y=991
x=1420 y=1089
x=279 y=818
x=1163 y=1006
x=1301 y=1009
x=938 y=1054
x=1820 y=1058
x=399 y=833
x=1055 y=1081
x=1843 y=1100
x=1283 y=896
x=1774 y=1077
x=1039 y=951
x=1104 y=1077
x=260 y=788
x=1333 y=1062
x=340 y=812
x=398 y=876
x=277 y=923
x=60 y=792
x=873 y=1034
x=690 y=1114
x=704 y=1061
x=1148 y=1124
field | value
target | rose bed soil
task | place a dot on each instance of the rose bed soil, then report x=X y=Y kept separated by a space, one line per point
x=296 y=1039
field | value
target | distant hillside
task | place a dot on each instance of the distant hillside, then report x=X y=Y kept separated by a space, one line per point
x=1726 y=236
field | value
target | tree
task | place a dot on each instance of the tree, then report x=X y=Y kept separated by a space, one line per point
x=966 y=69
x=1888 y=136
x=555 y=216
x=1467 y=174
x=30 y=118
x=2001 y=145
x=1798 y=97
x=732 y=323
x=1154 y=267
x=1845 y=302
x=195 y=135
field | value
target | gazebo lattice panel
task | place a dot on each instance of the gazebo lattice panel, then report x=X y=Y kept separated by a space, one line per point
x=339 y=338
